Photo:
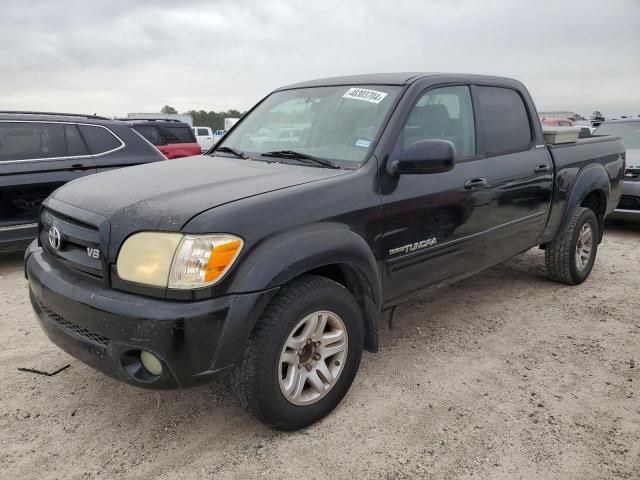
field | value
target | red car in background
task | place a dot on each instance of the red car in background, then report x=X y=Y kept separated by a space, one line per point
x=173 y=138
x=556 y=122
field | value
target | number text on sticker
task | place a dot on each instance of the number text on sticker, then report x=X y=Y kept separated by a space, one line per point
x=364 y=94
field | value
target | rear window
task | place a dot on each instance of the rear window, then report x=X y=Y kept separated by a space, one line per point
x=26 y=140
x=629 y=132
x=178 y=134
x=505 y=120
x=99 y=139
x=151 y=133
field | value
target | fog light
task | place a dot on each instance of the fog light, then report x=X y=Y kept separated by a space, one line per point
x=151 y=363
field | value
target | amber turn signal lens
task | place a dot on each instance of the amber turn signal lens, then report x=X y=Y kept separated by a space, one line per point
x=222 y=256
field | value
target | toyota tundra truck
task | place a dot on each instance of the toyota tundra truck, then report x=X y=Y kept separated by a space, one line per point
x=271 y=260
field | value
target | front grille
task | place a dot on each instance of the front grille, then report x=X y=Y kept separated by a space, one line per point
x=74 y=327
x=628 y=202
x=79 y=242
x=632 y=174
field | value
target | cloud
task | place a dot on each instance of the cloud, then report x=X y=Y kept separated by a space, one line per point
x=122 y=56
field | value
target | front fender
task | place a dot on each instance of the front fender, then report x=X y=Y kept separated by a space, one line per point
x=287 y=255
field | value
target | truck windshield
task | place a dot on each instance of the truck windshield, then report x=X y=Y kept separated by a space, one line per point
x=629 y=132
x=337 y=123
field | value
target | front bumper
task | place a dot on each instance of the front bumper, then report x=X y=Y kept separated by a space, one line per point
x=17 y=236
x=195 y=341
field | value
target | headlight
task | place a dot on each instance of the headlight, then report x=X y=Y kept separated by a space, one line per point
x=203 y=259
x=146 y=257
x=177 y=261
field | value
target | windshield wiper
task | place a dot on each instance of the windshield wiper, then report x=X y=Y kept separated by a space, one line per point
x=233 y=151
x=300 y=156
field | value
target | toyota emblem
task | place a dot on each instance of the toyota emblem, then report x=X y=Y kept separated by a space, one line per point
x=55 y=238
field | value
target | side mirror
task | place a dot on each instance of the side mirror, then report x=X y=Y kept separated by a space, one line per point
x=425 y=156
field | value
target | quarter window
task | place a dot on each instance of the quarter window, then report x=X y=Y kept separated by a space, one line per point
x=26 y=140
x=443 y=113
x=504 y=119
x=99 y=139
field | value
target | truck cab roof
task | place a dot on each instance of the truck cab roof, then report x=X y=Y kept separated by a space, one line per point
x=397 y=78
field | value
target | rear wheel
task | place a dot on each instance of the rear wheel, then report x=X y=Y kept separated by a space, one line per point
x=570 y=257
x=303 y=354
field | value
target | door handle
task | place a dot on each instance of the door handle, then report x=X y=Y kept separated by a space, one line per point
x=475 y=183
x=78 y=166
x=542 y=168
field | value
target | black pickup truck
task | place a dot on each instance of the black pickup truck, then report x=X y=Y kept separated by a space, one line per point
x=272 y=258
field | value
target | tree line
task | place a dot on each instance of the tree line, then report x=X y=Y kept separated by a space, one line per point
x=202 y=118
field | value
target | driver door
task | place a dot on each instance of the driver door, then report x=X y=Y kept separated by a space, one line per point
x=434 y=223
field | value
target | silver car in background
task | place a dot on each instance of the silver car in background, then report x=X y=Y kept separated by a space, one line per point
x=629 y=131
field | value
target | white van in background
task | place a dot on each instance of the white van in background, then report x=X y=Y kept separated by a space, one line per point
x=204 y=137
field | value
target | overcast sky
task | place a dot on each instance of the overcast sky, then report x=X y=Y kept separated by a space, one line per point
x=113 y=57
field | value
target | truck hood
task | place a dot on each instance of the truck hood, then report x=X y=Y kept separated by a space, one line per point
x=165 y=195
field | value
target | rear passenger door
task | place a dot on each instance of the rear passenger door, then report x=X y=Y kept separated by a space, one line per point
x=521 y=171
x=35 y=159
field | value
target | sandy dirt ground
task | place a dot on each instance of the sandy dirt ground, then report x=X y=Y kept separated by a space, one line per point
x=504 y=375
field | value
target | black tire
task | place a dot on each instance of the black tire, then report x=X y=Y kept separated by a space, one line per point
x=560 y=255
x=255 y=379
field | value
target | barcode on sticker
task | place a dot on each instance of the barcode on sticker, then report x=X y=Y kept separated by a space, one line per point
x=365 y=95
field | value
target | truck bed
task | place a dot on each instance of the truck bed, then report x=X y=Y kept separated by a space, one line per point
x=573 y=159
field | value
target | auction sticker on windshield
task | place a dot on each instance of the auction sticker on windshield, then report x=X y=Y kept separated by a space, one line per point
x=364 y=94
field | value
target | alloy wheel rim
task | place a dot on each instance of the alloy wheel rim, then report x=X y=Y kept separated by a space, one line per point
x=584 y=245
x=312 y=358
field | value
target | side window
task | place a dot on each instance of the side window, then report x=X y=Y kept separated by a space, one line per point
x=203 y=132
x=26 y=140
x=151 y=133
x=178 y=134
x=443 y=113
x=75 y=144
x=504 y=119
x=99 y=139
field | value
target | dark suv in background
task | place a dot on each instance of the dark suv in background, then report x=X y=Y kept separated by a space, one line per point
x=173 y=138
x=41 y=151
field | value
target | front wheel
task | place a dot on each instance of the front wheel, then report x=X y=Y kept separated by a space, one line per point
x=570 y=257
x=303 y=354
